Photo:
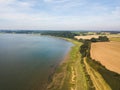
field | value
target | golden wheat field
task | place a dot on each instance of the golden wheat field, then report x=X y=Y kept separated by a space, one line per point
x=87 y=37
x=111 y=36
x=108 y=53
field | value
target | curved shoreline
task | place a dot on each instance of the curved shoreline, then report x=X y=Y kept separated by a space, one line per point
x=69 y=75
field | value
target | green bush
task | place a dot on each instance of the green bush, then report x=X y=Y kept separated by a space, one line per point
x=93 y=40
x=103 y=38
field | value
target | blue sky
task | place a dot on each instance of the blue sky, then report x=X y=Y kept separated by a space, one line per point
x=60 y=14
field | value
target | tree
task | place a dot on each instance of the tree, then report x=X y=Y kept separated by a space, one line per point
x=93 y=40
x=103 y=38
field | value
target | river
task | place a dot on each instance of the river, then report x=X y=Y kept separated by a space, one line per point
x=27 y=60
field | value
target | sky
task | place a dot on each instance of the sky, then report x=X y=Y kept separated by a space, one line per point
x=60 y=14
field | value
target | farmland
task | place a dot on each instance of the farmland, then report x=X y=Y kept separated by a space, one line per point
x=101 y=77
x=112 y=37
x=117 y=39
x=107 y=53
x=86 y=37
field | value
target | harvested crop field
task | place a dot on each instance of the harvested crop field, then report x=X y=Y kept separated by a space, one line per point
x=87 y=37
x=108 y=53
x=113 y=36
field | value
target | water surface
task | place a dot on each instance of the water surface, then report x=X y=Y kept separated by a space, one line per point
x=26 y=61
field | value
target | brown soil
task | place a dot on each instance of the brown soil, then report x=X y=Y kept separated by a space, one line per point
x=108 y=53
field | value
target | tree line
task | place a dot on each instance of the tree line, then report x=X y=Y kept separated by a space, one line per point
x=99 y=39
x=66 y=34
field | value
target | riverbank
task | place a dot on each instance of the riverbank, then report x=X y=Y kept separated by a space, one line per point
x=69 y=75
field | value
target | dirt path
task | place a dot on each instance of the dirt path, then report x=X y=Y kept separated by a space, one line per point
x=97 y=79
x=73 y=78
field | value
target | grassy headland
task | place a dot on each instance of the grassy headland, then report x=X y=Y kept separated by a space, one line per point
x=70 y=74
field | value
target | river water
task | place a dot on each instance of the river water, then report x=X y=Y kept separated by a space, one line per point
x=27 y=60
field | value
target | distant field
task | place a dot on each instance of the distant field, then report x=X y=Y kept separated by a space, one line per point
x=111 y=36
x=115 y=39
x=87 y=37
x=108 y=53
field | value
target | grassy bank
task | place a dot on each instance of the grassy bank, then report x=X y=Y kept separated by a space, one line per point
x=98 y=82
x=70 y=74
x=112 y=78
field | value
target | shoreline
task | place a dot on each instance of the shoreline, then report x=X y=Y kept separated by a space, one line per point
x=69 y=74
x=62 y=61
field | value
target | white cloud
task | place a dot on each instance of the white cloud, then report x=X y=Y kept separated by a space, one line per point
x=16 y=14
x=6 y=1
x=48 y=0
x=68 y=6
x=14 y=6
x=116 y=11
x=56 y=1
x=60 y=22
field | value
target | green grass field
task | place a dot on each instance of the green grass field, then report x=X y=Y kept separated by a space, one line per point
x=115 y=39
